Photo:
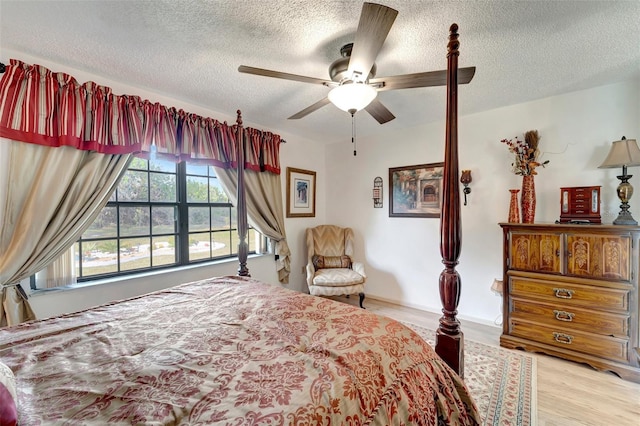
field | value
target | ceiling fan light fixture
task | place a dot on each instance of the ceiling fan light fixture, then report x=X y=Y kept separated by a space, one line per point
x=352 y=96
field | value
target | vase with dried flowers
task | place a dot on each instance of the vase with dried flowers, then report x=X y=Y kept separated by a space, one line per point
x=525 y=163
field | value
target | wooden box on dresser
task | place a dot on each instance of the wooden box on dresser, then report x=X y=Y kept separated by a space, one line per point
x=572 y=291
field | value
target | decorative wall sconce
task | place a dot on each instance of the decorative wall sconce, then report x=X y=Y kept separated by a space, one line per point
x=377 y=192
x=465 y=179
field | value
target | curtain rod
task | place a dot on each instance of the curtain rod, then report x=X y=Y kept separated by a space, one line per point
x=3 y=69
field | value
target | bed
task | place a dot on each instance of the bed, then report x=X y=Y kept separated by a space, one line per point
x=232 y=350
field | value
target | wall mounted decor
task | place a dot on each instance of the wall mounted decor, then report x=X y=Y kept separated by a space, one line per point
x=465 y=179
x=301 y=193
x=416 y=191
x=377 y=192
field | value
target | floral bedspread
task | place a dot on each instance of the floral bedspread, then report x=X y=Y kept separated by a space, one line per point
x=230 y=351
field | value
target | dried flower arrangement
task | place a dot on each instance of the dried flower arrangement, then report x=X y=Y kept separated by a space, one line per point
x=526 y=153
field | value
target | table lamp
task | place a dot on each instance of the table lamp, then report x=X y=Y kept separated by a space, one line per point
x=624 y=153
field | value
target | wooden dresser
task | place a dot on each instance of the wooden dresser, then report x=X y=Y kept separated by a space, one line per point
x=572 y=291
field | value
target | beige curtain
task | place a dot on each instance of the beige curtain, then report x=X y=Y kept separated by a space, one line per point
x=61 y=271
x=264 y=209
x=48 y=197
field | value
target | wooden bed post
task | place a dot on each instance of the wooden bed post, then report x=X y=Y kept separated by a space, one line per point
x=243 y=248
x=449 y=337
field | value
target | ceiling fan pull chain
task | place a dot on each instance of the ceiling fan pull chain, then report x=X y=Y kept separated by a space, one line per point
x=353 y=132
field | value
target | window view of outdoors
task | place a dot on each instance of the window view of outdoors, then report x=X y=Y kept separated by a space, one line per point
x=140 y=227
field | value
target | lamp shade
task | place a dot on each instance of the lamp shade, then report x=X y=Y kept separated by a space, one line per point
x=352 y=97
x=624 y=152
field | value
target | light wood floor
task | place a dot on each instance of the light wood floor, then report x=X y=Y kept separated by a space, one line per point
x=569 y=394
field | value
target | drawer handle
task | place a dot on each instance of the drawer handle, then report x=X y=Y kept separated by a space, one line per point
x=562 y=338
x=563 y=315
x=563 y=293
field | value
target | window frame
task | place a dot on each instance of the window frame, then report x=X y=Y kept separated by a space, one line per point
x=181 y=233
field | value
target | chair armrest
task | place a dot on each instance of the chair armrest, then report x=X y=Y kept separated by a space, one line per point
x=311 y=271
x=359 y=268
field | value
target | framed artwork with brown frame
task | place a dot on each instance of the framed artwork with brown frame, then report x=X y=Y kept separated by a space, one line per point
x=416 y=191
x=301 y=193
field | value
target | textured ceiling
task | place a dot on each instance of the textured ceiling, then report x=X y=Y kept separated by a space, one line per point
x=190 y=50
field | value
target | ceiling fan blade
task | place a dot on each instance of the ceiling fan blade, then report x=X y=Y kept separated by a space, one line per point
x=374 y=26
x=284 y=75
x=308 y=110
x=379 y=112
x=422 y=79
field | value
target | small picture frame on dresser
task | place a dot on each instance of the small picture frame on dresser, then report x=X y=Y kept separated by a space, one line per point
x=580 y=204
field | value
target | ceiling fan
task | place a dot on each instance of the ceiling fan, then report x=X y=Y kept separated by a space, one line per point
x=353 y=77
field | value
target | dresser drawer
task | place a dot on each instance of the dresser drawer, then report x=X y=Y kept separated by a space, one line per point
x=600 y=346
x=580 y=208
x=570 y=295
x=580 y=204
x=558 y=315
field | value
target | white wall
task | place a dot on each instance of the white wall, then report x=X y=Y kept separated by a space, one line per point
x=402 y=254
x=307 y=156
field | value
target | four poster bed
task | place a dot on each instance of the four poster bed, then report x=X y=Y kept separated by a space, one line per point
x=232 y=350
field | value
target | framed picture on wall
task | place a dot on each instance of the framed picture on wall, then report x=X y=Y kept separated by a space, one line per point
x=416 y=191
x=301 y=193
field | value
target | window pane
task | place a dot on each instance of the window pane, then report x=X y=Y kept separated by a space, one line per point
x=234 y=218
x=134 y=221
x=163 y=187
x=134 y=186
x=216 y=193
x=76 y=260
x=199 y=246
x=197 y=189
x=235 y=240
x=159 y=165
x=104 y=225
x=163 y=251
x=141 y=226
x=197 y=169
x=223 y=244
x=99 y=257
x=135 y=253
x=138 y=163
x=198 y=219
x=163 y=220
x=220 y=218
x=253 y=240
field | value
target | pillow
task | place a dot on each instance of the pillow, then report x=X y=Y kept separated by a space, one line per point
x=327 y=262
x=8 y=406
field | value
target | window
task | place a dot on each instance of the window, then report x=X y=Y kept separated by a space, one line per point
x=161 y=215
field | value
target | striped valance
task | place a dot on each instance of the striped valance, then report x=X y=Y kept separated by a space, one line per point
x=42 y=107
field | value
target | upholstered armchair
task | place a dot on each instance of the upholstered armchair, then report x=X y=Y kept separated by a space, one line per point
x=331 y=270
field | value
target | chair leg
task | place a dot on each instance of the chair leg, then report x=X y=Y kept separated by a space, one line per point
x=361 y=300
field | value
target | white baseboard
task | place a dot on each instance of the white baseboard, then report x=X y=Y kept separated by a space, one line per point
x=434 y=311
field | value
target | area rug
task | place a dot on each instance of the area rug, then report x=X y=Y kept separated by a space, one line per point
x=502 y=382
